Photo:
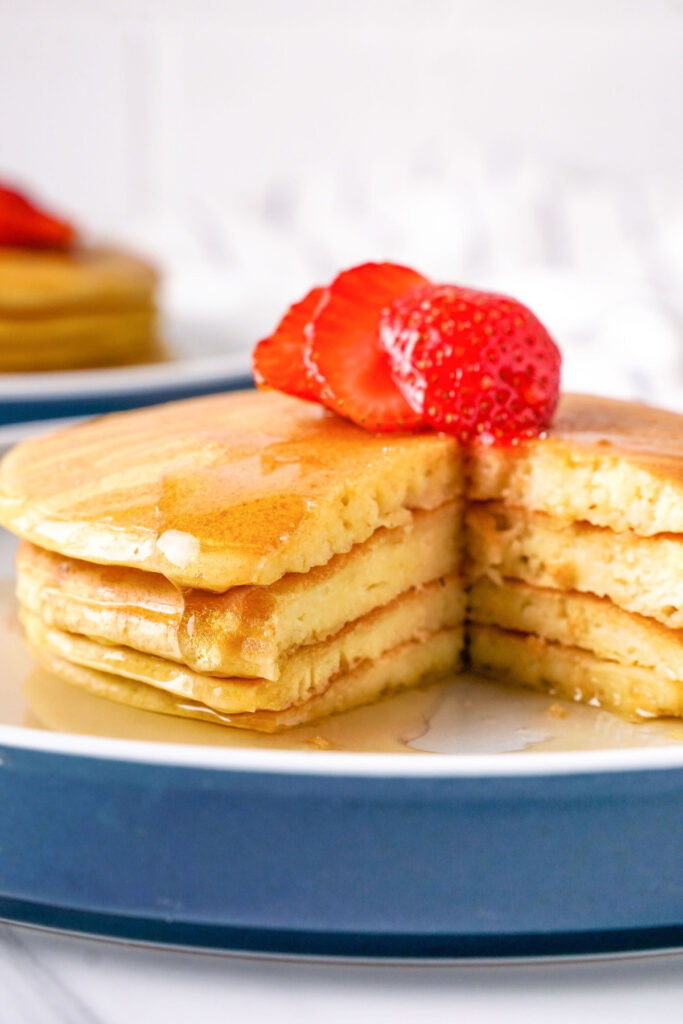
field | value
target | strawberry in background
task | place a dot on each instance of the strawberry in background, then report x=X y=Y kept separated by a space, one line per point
x=67 y=303
x=25 y=225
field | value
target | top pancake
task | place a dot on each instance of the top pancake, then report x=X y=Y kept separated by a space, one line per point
x=41 y=283
x=610 y=463
x=242 y=488
x=221 y=491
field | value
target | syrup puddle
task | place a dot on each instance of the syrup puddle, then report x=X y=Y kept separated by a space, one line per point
x=465 y=715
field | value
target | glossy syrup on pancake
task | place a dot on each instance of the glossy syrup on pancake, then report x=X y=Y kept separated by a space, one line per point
x=221 y=491
x=201 y=616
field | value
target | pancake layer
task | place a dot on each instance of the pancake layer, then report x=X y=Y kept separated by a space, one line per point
x=221 y=491
x=575 y=550
x=412 y=663
x=641 y=574
x=573 y=674
x=579 y=620
x=75 y=309
x=248 y=631
x=41 y=284
x=610 y=463
x=307 y=673
x=79 y=340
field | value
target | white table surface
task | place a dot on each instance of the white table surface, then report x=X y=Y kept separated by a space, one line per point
x=57 y=979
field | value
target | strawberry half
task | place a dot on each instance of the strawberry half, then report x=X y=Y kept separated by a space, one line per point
x=25 y=225
x=473 y=364
x=278 y=361
x=345 y=352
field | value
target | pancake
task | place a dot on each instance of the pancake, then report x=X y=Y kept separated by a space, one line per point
x=431 y=657
x=573 y=674
x=579 y=620
x=610 y=463
x=46 y=283
x=641 y=574
x=78 y=340
x=307 y=673
x=74 y=309
x=221 y=491
x=248 y=630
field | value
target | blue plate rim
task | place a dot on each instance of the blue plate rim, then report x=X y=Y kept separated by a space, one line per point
x=344 y=948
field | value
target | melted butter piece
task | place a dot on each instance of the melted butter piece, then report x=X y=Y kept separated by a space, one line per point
x=178 y=547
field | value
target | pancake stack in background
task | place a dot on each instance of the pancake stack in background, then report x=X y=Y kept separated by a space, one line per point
x=269 y=562
x=576 y=550
x=75 y=309
x=65 y=305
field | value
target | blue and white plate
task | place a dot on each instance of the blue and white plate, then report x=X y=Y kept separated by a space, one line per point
x=462 y=820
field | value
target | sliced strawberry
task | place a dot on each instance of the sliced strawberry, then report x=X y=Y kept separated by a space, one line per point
x=474 y=364
x=345 y=351
x=278 y=360
x=25 y=225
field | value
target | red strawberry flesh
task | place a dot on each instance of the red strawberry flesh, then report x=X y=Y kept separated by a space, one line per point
x=278 y=361
x=477 y=365
x=345 y=350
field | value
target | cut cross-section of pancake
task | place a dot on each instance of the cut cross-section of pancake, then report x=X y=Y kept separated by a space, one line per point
x=641 y=574
x=573 y=674
x=610 y=463
x=579 y=620
x=248 y=630
x=575 y=550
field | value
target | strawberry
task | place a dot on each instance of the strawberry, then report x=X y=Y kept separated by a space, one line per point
x=25 y=225
x=278 y=361
x=473 y=364
x=345 y=352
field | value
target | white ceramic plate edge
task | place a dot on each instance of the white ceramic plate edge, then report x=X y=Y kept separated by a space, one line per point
x=334 y=763
x=22 y=387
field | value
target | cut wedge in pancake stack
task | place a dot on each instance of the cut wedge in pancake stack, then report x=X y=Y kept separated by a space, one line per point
x=575 y=545
x=249 y=558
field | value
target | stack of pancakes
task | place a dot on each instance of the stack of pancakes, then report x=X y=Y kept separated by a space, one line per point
x=576 y=544
x=245 y=558
x=79 y=308
x=256 y=560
